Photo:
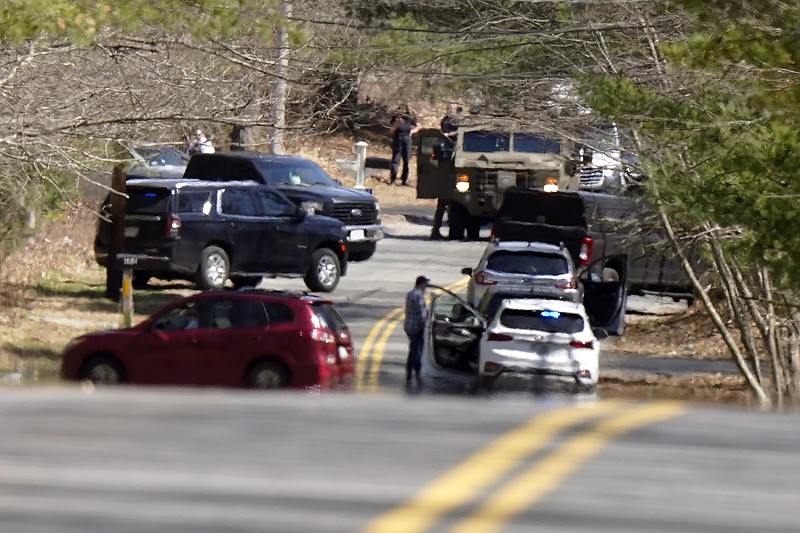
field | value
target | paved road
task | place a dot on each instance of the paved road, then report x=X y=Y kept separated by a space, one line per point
x=371 y=295
x=193 y=461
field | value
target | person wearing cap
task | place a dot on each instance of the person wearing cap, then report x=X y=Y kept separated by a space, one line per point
x=414 y=326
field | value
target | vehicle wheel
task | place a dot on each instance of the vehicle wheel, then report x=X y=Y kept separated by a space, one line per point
x=268 y=376
x=140 y=280
x=486 y=383
x=324 y=272
x=103 y=371
x=455 y=221
x=213 y=269
x=362 y=255
x=245 y=281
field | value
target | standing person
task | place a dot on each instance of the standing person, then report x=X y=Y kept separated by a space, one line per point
x=200 y=144
x=414 y=326
x=450 y=122
x=402 y=127
x=449 y=127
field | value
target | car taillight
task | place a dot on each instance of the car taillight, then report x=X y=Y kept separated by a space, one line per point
x=572 y=283
x=493 y=234
x=579 y=344
x=480 y=278
x=502 y=337
x=321 y=335
x=587 y=248
x=173 y=227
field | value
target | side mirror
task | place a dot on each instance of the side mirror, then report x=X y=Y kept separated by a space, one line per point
x=466 y=271
x=600 y=333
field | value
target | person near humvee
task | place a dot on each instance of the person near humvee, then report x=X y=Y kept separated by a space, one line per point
x=402 y=127
x=449 y=127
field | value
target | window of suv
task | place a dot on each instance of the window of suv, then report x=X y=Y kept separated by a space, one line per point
x=272 y=203
x=542 y=320
x=194 y=202
x=147 y=201
x=331 y=317
x=536 y=263
x=238 y=202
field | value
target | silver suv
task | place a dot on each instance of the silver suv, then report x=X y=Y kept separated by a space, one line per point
x=541 y=270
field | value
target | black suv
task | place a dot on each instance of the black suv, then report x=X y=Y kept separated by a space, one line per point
x=306 y=184
x=210 y=231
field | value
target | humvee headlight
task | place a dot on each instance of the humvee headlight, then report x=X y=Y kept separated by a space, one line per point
x=462 y=183
x=551 y=184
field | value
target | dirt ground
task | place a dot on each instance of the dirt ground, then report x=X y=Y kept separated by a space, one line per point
x=51 y=291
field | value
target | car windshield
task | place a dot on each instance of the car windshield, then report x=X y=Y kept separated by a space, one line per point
x=486 y=141
x=159 y=156
x=533 y=263
x=294 y=172
x=542 y=320
x=534 y=144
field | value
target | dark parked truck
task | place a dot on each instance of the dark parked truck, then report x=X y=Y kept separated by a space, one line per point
x=593 y=226
x=306 y=184
x=473 y=170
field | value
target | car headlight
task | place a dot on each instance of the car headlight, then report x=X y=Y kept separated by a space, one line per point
x=311 y=206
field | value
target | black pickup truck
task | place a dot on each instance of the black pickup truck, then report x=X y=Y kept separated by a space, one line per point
x=306 y=184
x=595 y=225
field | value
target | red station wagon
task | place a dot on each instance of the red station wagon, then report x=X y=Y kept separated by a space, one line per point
x=247 y=338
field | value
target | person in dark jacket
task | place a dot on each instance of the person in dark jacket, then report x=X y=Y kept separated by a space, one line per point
x=448 y=126
x=414 y=326
x=402 y=127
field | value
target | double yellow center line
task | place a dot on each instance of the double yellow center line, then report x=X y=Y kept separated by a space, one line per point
x=465 y=485
x=373 y=350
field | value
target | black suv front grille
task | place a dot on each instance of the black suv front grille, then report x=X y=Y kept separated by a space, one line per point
x=354 y=213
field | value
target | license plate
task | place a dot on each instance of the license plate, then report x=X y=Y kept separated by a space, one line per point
x=131 y=231
x=357 y=235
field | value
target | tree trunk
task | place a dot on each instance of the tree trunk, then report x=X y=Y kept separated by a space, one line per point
x=280 y=85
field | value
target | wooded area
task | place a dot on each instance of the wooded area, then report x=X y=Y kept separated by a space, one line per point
x=709 y=88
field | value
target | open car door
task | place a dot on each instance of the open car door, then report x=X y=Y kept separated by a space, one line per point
x=604 y=293
x=454 y=330
x=434 y=164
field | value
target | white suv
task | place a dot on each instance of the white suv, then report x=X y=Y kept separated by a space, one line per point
x=546 y=337
x=542 y=270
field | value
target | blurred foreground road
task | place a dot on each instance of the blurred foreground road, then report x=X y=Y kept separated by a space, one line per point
x=206 y=461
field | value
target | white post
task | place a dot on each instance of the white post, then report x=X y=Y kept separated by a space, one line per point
x=361 y=159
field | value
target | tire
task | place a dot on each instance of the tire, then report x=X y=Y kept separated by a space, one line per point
x=140 y=280
x=324 y=272
x=267 y=376
x=245 y=281
x=362 y=255
x=455 y=221
x=486 y=383
x=213 y=269
x=103 y=371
